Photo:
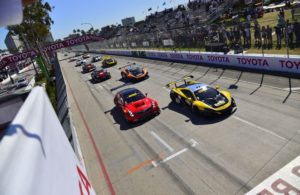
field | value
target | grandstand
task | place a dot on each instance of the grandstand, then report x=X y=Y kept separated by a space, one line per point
x=211 y=25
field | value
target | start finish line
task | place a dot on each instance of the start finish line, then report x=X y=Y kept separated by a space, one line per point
x=52 y=47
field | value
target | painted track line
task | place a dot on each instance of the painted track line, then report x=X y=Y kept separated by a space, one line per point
x=193 y=143
x=259 y=127
x=163 y=142
x=100 y=160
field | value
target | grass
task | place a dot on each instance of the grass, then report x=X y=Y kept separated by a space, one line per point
x=271 y=18
x=50 y=89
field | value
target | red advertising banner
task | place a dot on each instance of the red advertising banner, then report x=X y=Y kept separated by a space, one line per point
x=52 y=47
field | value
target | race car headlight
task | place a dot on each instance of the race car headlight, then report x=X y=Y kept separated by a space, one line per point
x=130 y=113
x=153 y=104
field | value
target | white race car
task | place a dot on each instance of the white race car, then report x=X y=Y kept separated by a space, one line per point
x=80 y=62
x=21 y=83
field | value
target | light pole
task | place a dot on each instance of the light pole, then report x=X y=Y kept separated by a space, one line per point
x=86 y=23
x=92 y=27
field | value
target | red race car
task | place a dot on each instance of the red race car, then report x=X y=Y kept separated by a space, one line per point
x=135 y=105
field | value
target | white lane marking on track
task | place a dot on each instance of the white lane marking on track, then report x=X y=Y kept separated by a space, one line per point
x=259 y=127
x=163 y=142
x=116 y=70
x=100 y=86
x=193 y=144
x=106 y=87
x=293 y=88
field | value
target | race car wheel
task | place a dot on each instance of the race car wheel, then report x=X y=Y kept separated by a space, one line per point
x=196 y=110
x=176 y=99
x=123 y=76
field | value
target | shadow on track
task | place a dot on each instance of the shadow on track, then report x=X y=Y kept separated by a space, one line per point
x=290 y=91
x=260 y=85
x=194 y=118
x=120 y=119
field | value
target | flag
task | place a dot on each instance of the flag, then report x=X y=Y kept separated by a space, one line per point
x=149 y=9
x=164 y=4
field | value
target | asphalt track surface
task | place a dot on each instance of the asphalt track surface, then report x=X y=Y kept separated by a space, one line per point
x=178 y=152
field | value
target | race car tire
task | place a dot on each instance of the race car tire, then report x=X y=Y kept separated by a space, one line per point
x=123 y=76
x=196 y=110
x=176 y=99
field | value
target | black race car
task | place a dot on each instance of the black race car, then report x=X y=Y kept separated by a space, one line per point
x=134 y=72
x=100 y=74
x=88 y=68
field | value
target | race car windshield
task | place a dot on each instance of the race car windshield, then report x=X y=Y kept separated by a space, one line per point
x=99 y=70
x=133 y=97
x=206 y=93
x=136 y=71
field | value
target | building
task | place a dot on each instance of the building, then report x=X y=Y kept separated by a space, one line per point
x=128 y=21
x=13 y=43
x=71 y=36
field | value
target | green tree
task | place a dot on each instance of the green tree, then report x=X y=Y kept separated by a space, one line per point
x=83 y=32
x=35 y=26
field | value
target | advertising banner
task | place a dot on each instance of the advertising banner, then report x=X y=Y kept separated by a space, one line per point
x=52 y=47
x=249 y=61
x=284 y=181
x=36 y=156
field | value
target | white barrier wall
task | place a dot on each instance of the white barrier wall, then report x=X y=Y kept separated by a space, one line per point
x=251 y=61
x=36 y=156
x=284 y=181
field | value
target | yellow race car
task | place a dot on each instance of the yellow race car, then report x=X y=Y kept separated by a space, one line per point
x=108 y=61
x=201 y=98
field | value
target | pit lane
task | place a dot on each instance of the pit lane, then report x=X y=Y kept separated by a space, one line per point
x=178 y=152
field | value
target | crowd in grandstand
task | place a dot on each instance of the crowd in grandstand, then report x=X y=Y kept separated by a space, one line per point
x=187 y=26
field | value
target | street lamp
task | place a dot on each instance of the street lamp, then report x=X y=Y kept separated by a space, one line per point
x=88 y=24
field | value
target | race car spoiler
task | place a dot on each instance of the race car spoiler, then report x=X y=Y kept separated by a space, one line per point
x=127 y=65
x=180 y=80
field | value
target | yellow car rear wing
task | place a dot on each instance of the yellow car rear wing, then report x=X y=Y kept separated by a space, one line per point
x=183 y=79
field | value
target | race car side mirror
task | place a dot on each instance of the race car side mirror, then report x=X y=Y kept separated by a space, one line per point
x=146 y=94
x=217 y=87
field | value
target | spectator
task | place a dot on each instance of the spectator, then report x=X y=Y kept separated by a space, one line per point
x=297 y=33
x=237 y=35
x=290 y=34
x=269 y=37
x=281 y=12
x=257 y=36
x=230 y=36
x=248 y=37
x=244 y=37
x=264 y=36
x=278 y=36
x=293 y=13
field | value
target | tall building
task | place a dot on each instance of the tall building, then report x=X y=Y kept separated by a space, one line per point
x=13 y=43
x=128 y=21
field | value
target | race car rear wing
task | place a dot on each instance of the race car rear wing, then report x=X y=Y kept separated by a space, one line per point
x=183 y=79
x=127 y=65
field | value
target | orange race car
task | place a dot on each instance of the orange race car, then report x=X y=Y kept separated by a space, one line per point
x=134 y=72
